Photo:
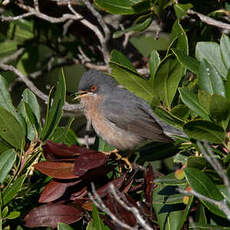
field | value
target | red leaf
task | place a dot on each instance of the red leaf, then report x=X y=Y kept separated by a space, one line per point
x=103 y=191
x=59 y=170
x=60 y=149
x=88 y=161
x=52 y=191
x=49 y=215
x=149 y=177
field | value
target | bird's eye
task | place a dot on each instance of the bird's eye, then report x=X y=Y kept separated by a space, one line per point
x=93 y=88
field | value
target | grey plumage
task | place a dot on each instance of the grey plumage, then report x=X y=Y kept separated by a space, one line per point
x=125 y=113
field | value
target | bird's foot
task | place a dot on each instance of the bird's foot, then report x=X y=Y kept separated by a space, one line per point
x=127 y=165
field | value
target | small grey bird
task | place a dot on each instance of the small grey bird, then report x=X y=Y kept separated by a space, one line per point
x=118 y=116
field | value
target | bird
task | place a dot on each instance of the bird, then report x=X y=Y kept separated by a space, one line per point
x=118 y=116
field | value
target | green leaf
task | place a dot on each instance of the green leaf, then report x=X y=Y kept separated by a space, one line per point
x=169 y=179
x=198 y=226
x=202 y=184
x=97 y=223
x=62 y=226
x=10 y=129
x=126 y=75
x=227 y=86
x=13 y=215
x=7 y=160
x=120 y=6
x=55 y=111
x=205 y=131
x=167 y=79
x=204 y=99
x=168 y=117
x=154 y=63
x=5 y=211
x=219 y=107
x=190 y=99
x=136 y=27
x=6 y=102
x=190 y=63
x=178 y=38
x=210 y=51
x=10 y=192
x=196 y=162
x=209 y=79
x=180 y=111
x=169 y=216
x=225 y=50
x=181 y=9
x=7 y=47
x=24 y=30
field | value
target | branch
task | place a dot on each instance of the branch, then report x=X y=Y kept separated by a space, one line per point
x=210 y=157
x=100 y=204
x=222 y=205
x=35 y=90
x=13 y=56
x=210 y=21
x=132 y=209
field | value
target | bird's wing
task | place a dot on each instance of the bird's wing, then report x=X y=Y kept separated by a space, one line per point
x=133 y=114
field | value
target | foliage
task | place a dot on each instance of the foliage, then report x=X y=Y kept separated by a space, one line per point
x=47 y=179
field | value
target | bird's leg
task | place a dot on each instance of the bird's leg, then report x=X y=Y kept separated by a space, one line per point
x=128 y=165
x=88 y=127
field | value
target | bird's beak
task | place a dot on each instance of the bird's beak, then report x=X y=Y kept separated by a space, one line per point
x=80 y=94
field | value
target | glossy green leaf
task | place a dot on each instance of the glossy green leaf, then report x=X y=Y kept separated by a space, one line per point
x=190 y=100
x=31 y=100
x=6 y=102
x=204 y=99
x=117 y=58
x=154 y=63
x=62 y=226
x=24 y=29
x=119 y=6
x=126 y=75
x=10 y=192
x=196 y=162
x=181 y=9
x=202 y=184
x=7 y=160
x=169 y=179
x=210 y=51
x=169 y=216
x=137 y=28
x=180 y=111
x=178 y=38
x=198 y=226
x=209 y=79
x=225 y=50
x=219 y=107
x=10 y=129
x=167 y=79
x=204 y=131
x=168 y=117
x=55 y=111
x=190 y=63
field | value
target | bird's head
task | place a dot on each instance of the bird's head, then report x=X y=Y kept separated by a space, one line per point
x=95 y=83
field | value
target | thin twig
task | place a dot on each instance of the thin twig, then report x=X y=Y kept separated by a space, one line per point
x=210 y=21
x=13 y=56
x=35 y=90
x=132 y=209
x=100 y=204
x=222 y=204
x=208 y=154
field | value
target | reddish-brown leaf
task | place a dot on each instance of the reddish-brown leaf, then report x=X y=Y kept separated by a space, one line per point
x=88 y=161
x=60 y=149
x=80 y=194
x=52 y=191
x=149 y=178
x=49 y=215
x=103 y=191
x=59 y=170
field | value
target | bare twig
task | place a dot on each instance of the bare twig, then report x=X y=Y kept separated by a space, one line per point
x=210 y=21
x=208 y=154
x=132 y=209
x=100 y=204
x=222 y=205
x=35 y=90
x=13 y=56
